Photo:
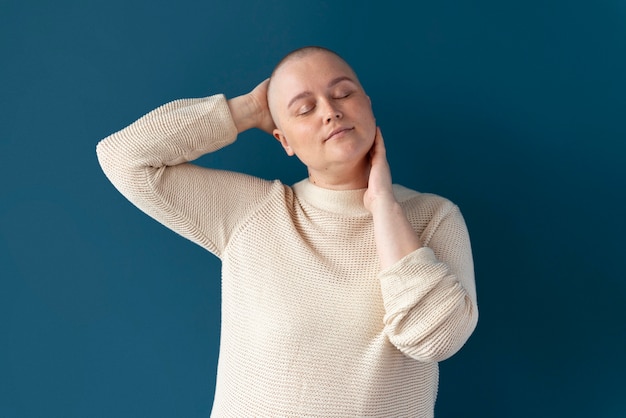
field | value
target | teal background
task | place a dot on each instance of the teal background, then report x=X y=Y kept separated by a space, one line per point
x=515 y=110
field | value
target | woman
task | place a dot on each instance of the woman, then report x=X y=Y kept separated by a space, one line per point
x=340 y=293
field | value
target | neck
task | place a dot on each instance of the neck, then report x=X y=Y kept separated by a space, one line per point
x=344 y=179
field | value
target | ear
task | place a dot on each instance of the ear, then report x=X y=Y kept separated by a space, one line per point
x=278 y=134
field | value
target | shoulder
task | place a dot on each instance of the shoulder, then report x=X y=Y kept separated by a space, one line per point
x=428 y=212
x=412 y=199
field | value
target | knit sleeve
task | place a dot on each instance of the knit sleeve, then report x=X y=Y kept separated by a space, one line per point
x=430 y=295
x=148 y=162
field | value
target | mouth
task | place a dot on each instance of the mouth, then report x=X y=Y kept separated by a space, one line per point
x=338 y=132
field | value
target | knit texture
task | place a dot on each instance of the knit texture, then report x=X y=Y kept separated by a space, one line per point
x=311 y=327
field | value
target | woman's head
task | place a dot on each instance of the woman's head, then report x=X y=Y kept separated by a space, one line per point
x=321 y=111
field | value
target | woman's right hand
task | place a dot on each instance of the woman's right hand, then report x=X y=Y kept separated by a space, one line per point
x=264 y=117
x=252 y=111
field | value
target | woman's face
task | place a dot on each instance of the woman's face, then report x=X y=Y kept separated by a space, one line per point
x=322 y=113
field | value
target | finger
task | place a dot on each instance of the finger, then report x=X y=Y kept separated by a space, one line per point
x=374 y=146
x=379 y=143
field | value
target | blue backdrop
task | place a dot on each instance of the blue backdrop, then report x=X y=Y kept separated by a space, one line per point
x=514 y=110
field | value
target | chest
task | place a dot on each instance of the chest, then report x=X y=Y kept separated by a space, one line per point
x=312 y=273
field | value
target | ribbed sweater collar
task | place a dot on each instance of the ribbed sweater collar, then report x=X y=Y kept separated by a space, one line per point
x=343 y=202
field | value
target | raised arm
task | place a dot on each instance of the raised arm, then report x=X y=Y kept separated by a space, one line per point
x=148 y=162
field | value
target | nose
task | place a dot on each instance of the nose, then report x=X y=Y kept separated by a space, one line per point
x=332 y=113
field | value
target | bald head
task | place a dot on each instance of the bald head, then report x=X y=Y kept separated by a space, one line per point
x=303 y=52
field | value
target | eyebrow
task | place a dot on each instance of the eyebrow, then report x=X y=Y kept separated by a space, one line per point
x=308 y=93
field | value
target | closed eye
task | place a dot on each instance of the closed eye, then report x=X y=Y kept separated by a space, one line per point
x=342 y=95
x=305 y=110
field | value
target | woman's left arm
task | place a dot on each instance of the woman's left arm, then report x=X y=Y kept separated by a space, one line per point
x=395 y=237
x=427 y=283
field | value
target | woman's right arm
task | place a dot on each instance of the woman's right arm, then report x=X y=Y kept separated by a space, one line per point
x=148 y=162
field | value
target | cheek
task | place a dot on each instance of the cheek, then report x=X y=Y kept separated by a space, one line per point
x=300 y=131
x=370 y=125
x=367 y=113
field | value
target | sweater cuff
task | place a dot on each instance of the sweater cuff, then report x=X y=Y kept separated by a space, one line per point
x=423 y=255
x=220 y=122
x=410 y=279
x=222 y=109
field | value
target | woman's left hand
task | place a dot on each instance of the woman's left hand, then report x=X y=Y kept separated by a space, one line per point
x=379 y=192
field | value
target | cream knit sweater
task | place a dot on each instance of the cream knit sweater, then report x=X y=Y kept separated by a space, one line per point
x=310 y=325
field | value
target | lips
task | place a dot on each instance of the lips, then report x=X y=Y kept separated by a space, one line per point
x=338 y=131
